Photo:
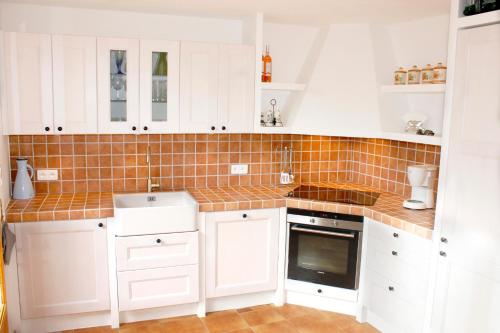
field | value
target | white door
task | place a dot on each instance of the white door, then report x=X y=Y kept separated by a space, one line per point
x=159 y=86
x=75 y=84
x=468 y=291
x=62 y=268
x=28 y=72
x=241 y=252
x=236 y=88
x=198 y=87
x=118 y=85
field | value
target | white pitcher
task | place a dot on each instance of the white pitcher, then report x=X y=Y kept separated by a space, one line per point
x=23 y=188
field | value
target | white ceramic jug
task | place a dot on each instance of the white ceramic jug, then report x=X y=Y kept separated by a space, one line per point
x=23 y=188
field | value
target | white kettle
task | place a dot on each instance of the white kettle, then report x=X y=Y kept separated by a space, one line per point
x=23 y=188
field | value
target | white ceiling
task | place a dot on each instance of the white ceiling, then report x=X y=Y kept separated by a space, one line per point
x=283 y=11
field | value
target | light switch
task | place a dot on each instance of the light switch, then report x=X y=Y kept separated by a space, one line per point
x=47 y=174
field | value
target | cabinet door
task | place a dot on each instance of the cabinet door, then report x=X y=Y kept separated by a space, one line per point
x=198 y=84
x=241 y=252
x=118 y=85
x=62 y=268
x=159 y=71
x=236 y=88
x=75 y=84
x=28 y=59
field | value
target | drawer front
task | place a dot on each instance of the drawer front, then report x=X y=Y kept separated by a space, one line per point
x=157 y=287
x=399 y=239
x=392 y=305
x=153 y=251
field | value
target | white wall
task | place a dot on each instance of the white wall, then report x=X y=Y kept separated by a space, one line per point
x=4 y=140
x=43 y=19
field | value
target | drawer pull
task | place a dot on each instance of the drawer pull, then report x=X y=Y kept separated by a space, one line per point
x=394 y=253
x=442 y=253
x=245 y=216
x=158 y=241
x=395 y=235
x=391 y=288
x=320 y=291
x=100 y=225
x=444 y=240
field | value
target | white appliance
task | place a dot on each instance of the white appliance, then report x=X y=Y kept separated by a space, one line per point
x=421 y=179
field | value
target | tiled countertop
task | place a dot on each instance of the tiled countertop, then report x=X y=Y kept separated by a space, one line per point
x=388 y=209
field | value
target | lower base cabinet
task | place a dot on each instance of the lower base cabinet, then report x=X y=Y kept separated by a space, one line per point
x=241 y=252
x=157 y=287
x=62 y=267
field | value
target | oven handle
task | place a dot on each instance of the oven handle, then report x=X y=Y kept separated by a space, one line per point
x=322 y=232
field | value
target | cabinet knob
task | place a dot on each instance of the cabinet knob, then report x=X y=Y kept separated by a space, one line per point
x=395 y=235
x=320 y=291
x=134 y=128
x=212 y=128
x=245 y=216
x=391 y=288
x=145 y=128
x=223 y=128
x=442 y=253
x=100 y=225
x=158 y=241
x=394 y=253
x=444 y=240
x=47 y=128
x=59 y=128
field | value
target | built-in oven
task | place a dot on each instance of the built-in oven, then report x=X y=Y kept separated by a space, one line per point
x=324 y=248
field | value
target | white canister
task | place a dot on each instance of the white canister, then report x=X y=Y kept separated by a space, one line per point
x=414 y=75
x=400 y=76
x=439 y=73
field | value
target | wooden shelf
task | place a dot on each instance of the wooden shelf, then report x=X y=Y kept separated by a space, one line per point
x=282 y=86
x=425 y=139
x=414 y=89
x=478 y=20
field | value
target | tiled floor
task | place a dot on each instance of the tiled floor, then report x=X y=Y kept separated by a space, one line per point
x=259 y=319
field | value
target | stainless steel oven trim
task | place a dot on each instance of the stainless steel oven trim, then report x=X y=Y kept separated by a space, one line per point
x=322 y=232
x=358 y=260
x=324 y=222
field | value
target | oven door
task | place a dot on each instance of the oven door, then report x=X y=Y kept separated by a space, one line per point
x=325 y=256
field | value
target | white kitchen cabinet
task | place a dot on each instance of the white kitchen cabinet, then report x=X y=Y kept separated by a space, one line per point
x=217 y=88
x=62 y=267
x=241 y=252
x=149 y=288
x=75 y=84
x=236 y=88
x=159 y=86
x=28 y=74
x=118 y=85
x=396 y=278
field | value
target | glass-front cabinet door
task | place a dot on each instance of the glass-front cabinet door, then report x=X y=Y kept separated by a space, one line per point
x=118 y=85
x=159 y=86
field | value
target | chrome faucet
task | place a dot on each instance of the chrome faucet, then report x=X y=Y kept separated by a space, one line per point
x=151 y=186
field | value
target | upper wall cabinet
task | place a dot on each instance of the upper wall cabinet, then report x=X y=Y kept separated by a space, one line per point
x=138 y=84
x=118 y=82
x=28 y=59
x=217 y=88
x=75 y=90
x=51 y=84
x=159 y=91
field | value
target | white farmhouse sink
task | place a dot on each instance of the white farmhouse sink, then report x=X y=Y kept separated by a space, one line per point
x=154 y=213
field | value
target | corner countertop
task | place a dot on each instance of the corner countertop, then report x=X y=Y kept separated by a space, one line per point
x=74 y=206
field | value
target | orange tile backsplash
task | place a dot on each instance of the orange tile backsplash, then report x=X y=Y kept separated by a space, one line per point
x=117 y=163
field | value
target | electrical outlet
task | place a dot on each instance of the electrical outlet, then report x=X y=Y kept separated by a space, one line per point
x=239 y=169
x=47 y=174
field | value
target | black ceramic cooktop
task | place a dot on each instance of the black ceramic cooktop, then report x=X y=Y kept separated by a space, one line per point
x=330 y=194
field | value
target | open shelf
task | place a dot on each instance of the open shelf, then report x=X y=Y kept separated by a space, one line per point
x=282 y=86
x=478 y=19
x=414 y=89
x=425 y=139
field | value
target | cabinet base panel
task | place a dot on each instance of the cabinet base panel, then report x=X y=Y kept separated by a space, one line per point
x=158 y=313
x=240 y=301
x=62 y=323
x=322 y=303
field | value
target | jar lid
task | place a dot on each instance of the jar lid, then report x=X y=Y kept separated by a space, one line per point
x=440 y=66
x=428 y=66
x=401 y=70
x=414 y=68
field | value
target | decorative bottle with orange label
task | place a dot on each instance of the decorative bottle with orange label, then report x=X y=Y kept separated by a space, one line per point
x=266 y=66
